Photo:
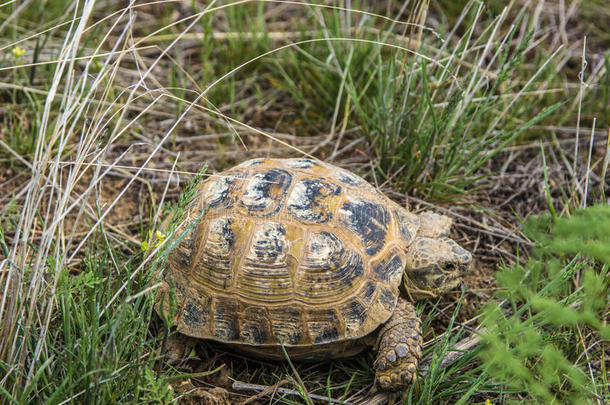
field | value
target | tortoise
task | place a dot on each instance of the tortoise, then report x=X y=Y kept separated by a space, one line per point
x=306 y=256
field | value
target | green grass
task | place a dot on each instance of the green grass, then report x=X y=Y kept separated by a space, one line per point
x=478 y=109
x=544 y=348
x=423 y=116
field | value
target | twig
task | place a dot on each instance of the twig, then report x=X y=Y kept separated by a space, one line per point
x=242 y=386
x=271 y=390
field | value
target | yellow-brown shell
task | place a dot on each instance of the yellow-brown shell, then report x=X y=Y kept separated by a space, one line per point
x=288 y=251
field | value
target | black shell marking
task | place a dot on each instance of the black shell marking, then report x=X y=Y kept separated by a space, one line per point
x=269 y=244
x=368 y=220
x=326 y=335
x=367 y=293
x=323 y=326
x=308 y=200
x=255 y=326
x=387 y=299
x=218 y=191
x=390 y=268
x=351 y=179
x=195 y=314
x=265 y=192
x=355 y=315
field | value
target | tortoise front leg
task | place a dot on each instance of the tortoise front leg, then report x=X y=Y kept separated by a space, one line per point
x=399 y=348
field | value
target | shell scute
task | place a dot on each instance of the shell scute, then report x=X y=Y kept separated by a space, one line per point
x=287 y=324
x=324 y=251
x=390 y=267
x=218 y=193
x=311 y=200
x=214 y=266
x=323 y=326
x=325 y=334
x=302 y=163
x=367 y=293
x=269 y=244
x=264 y=274
x=265 y=191
x=225 y=319
x=183 y=253
x=255 y=326
x=350 y=179
x=195 y=314
x=354 y=313
x=387 y=298
x=368 y=219
x=329 y=270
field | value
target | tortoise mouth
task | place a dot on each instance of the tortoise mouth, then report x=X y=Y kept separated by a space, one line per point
x=453 y=282
x=430 y=289
x=449 y=284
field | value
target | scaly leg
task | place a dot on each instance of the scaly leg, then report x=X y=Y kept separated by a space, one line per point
x=399 y=348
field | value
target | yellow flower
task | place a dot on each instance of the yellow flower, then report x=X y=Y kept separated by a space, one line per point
x=18 y=52
x=487 y=402
x=160 y=237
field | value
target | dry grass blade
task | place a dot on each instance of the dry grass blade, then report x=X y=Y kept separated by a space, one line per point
x=581 y=77
x=20 y=252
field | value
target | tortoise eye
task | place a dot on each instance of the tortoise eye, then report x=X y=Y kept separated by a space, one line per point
x=448 y=266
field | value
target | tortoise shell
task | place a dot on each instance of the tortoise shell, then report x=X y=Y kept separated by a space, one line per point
x=287 y=251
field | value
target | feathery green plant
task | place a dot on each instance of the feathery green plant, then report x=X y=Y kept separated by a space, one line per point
x=558 y=313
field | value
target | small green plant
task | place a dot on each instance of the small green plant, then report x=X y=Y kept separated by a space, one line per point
x=156 y=391
x=557 y=321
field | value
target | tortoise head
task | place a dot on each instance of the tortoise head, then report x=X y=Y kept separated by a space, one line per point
x=434 y=266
